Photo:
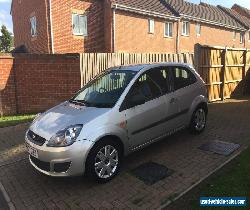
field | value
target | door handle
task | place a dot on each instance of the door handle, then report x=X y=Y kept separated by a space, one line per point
x=172 y=100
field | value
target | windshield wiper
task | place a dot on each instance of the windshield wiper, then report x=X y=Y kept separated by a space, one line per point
x=102 y=105
x=79 y=102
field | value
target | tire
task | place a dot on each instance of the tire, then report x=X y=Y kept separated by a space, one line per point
x=198 y=120
x=103 y=167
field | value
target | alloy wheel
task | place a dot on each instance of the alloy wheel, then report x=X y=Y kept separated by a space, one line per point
x=106 y=162
x=200 y=119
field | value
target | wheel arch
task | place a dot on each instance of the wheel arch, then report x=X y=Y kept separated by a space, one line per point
x=113 y=137
x=198 y=101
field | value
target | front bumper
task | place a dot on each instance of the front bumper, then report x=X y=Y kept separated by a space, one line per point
x=69 y=160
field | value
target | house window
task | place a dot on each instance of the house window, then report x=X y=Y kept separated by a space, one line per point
x=151 y=26
x=79 y=25
x=168 y=32
x=234 y=35
x=33 y=26
x=241 y=37
x=185 y=28
x=249 y=36
x=198 y=29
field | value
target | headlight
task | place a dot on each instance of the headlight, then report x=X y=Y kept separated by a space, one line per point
x=65 y=137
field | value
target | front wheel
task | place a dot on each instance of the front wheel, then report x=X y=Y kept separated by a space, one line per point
x=198 y=121
x=104 y=161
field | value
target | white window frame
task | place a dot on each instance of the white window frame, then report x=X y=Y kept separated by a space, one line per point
x=234 y=35
x=185 y=28
x=33 y=26
x=151 y=28
x=167 y=27
x=198 y=29
x=79 y=15
x=242 y=37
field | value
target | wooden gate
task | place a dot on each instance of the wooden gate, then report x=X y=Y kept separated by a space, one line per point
x=223 y=70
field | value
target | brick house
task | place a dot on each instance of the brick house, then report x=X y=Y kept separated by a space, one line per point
x=74 y=26
x=242 y=14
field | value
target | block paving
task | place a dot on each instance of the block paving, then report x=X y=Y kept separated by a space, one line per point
x=29 y=189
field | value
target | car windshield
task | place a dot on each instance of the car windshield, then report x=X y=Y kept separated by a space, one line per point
x=105 y=90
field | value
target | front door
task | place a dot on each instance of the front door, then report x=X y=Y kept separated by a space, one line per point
x=184 y=90
x=146 y=110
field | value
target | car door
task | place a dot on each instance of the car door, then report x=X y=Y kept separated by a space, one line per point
x=144 y=109
x=172 y=106
x=185 y=91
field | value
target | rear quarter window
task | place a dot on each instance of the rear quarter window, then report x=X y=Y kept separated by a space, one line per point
x=182 y=77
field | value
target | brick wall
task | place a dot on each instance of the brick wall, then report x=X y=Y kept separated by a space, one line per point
x=7 y=86
x=64 y=40
x=210 y=35
x=108 y=22
x=22 y=11
x=42 y=81
x=131 y=34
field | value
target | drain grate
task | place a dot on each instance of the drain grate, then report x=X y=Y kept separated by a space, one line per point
x=220 y=147
x=151 y=172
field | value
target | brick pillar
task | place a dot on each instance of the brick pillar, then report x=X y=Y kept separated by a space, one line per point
x=7 y=86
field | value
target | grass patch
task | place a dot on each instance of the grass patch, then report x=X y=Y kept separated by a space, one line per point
x=233 y=180
x=14 y=120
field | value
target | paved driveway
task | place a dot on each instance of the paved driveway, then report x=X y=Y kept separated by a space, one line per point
x=28 y=189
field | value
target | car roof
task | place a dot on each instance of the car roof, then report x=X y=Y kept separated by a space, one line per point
x=139 y=67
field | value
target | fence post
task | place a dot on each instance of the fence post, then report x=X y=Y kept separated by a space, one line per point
x=244 y=70
x=81 y=68
x=223 y=69
x=197 y=56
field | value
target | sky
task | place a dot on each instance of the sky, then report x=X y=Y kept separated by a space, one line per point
x=5 y=17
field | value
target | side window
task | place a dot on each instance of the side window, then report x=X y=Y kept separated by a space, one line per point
x=144 y=89
x=79 y=24
x=153 y=84
x=182 y=77
x=160 y=76
x=151 y=26
x=33 y=26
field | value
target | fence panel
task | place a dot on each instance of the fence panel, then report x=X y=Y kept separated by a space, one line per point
x=224 y=70
x=91 y=64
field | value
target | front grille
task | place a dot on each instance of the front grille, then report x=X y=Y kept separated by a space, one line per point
x=45 y=166
x=61 y=167
x=36 y=139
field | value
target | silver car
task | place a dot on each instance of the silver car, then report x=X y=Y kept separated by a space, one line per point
x=122 y=110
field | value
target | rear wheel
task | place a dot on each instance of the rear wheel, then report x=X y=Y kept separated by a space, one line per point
x=104 y=160
x=198 y=121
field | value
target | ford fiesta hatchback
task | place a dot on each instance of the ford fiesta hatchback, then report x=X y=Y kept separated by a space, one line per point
x=122 y=110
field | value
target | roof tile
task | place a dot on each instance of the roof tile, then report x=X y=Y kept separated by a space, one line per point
x=176 y=8
x=203 y=11
x=244 y=20
x=158 y=6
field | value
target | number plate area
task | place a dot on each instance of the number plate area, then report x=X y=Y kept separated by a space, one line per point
x=32 y=151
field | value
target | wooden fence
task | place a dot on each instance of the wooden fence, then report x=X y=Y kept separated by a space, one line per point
x=94 y=63
x=224 y=70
